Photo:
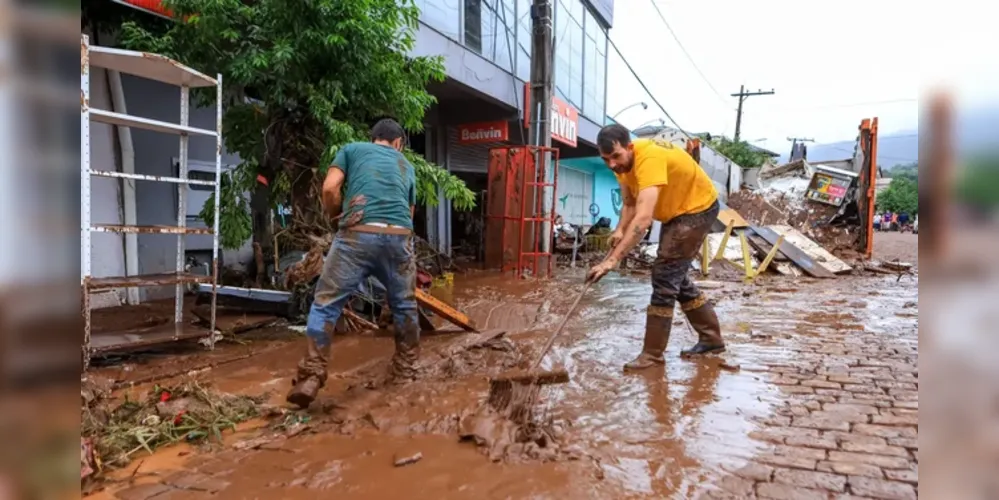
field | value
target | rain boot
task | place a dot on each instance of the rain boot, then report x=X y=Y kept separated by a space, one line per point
x=311 y=375
x=657 y=328
x=702 y=317
x=407 y=352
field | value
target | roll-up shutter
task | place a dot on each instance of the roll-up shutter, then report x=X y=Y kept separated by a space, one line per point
x=468 y=157
x=574 y=195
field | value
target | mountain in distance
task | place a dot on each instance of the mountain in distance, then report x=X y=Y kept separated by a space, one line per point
x=975 y=130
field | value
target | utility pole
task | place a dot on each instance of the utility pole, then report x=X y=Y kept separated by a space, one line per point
x=794 y=147
x=743 y=95
x=542 y=89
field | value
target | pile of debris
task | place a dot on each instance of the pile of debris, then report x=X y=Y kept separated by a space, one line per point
x=796 y=195
x=809 y=212
x=112 y=433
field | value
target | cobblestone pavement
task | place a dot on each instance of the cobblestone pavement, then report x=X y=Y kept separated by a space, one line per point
x=817 y=397
x=848 y=423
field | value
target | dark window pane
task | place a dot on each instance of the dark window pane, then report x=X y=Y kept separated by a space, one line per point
x=473 y=25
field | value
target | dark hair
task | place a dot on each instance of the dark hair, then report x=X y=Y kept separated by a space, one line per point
x=612 y=134
x=389 y=130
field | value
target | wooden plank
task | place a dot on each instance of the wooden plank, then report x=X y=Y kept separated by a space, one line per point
x=732 y=252
x=761 y=245
x=800 y=258
x=728 y=214
x=814 y=250
x=445 y=311
x=781 y=263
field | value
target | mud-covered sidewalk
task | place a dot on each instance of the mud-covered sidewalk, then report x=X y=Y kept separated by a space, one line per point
x=815 y=398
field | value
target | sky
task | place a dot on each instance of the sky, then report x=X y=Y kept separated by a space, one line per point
x=823 y=59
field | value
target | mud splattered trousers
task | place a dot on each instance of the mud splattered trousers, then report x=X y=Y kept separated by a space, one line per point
x=680 y=240
x=356 y=254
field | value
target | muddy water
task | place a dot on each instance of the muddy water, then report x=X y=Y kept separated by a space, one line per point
x=665 y=433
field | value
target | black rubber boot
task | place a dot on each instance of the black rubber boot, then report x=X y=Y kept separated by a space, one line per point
x=657 y=330
x=702 y=317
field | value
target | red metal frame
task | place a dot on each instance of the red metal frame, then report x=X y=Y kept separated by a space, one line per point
x=538 y=153
x=513 y=171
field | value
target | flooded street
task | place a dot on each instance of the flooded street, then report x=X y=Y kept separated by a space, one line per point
x=815 y=397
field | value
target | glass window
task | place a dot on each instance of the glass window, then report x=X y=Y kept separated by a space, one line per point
x=506 y=50
x=575 y=90
x=589 y=79
x=485 y=32
x=524 y=64
x=592 y=26
x=561 y=45
x=474 y=20
x=594 y=68
x=576 y=10
x=442 y=15
x=524 y=39
x=600 y=80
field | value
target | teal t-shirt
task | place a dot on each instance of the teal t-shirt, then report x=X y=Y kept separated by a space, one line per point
x=380 y=185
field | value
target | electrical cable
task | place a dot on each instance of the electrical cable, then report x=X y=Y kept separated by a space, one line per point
x=646 y=88
x=704 y=77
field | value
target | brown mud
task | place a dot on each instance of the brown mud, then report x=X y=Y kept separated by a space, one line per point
x=669 y=432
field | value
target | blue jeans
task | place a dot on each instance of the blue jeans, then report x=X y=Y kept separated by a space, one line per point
x=353 y=257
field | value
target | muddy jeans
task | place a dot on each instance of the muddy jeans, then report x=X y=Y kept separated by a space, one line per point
x=679 y=241
x=354 y=257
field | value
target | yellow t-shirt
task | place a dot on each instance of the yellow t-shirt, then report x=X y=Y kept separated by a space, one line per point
x=684 y=187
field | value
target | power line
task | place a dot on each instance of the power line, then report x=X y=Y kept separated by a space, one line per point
x=685 y=53
x=646 y=88
x=881 y=156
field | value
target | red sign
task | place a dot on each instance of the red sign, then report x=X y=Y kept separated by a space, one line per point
x=565 y=122
x=475 y=133
x=564 y=119
x=152 y=6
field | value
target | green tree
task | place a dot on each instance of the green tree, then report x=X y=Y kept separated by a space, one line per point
x=301 y=79
x=901 y=196
x=903 y=170
x=978 y=184
x=739 y=152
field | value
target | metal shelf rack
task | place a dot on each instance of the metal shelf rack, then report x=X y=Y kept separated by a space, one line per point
x=162 y=69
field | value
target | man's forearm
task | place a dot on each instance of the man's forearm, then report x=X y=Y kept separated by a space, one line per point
x=632 y=235
x=627 y=215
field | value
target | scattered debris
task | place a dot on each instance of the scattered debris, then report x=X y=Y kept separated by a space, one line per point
x=188 y=412
x=407 y=459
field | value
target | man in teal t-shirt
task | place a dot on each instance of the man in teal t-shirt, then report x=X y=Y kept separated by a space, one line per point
x=371 y=189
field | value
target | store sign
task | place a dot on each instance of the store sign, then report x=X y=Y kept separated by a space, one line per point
x=474 y=133
x=565 y=122
x=564 y=119
x=151 y=6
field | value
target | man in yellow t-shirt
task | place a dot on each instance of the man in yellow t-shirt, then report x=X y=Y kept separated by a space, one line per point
x=662 y=182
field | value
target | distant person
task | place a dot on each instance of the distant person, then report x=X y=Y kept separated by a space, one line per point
x=894 y=221
x=877 y=222
x=903 y=220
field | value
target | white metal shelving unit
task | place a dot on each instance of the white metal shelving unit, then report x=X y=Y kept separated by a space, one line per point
x=162 y=69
